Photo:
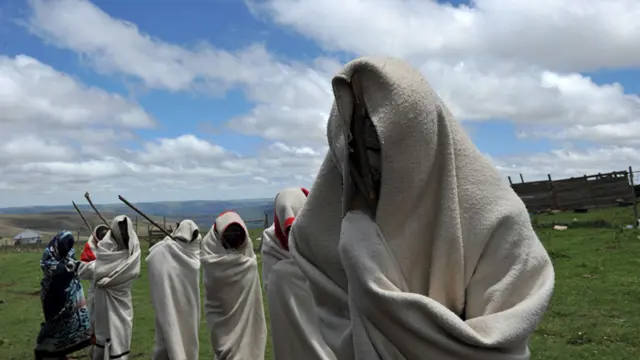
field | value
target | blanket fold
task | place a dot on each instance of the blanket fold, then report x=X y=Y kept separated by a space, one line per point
x=174 y=279
x=446 y=263
x=117 y=265
x=233 y=296
x=66 y=328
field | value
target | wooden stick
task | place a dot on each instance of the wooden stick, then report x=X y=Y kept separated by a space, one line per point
x=144 y=216
x=88 y=197
x=86 y=223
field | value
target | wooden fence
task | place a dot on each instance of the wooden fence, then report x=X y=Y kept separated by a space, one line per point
x=589 y=191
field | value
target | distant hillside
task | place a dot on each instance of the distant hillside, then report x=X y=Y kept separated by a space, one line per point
x=43 y=218
x=50 y=223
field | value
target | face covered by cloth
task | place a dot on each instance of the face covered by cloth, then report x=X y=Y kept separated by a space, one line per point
x=407 y=214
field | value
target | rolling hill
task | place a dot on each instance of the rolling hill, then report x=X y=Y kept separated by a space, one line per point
x=50 y=219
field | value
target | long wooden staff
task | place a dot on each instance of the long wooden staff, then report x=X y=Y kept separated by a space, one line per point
x=145 y=216
x=86 y=223
x=88 y=197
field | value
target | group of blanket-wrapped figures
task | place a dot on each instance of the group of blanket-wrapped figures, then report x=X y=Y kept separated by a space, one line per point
x=408 y=246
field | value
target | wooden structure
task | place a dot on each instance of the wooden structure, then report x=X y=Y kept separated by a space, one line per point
x=26 y=237
x=592 y=191
x=154 y=234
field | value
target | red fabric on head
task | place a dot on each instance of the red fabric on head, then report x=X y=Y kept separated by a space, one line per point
x=288 y=222
x=87 y=254
x=282 y=237
x=214 y=220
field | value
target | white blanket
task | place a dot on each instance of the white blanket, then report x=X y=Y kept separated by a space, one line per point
x=233 y=296
x=174 y=278
x=85 y=272
x=275 y=243
x=117 y=265
x=88 y=264
x=295 y=331
x=449 y=266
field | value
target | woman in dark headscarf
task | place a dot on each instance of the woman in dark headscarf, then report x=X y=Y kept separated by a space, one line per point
x=66 y=328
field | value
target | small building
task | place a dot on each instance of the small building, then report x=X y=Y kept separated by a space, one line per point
x=27 y=236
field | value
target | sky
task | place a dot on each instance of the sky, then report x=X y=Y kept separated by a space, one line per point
x=225 y=99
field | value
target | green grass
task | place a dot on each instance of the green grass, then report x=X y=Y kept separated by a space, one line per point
x=594 y=313
x=609 y=217
x=21 y=314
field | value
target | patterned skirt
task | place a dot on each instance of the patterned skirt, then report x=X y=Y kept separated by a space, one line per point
x=69 y=331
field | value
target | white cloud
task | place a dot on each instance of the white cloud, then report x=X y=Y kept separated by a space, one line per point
x=46 y=115
x=59 y=137
x=35 y=93
x=501 y=59
x=27 y=148
x=562 y=35
x=293 y=99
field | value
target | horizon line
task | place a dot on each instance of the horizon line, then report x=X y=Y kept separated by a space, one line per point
x=121 y=203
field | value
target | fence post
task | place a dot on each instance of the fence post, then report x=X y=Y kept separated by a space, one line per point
x=593 y=200
x=521 y=179
x=510 y=182
x=633 y=194
x=553 y=192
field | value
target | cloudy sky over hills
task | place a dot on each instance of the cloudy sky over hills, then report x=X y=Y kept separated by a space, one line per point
x=220 y=99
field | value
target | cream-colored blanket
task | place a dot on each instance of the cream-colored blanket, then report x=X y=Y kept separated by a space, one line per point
x=275 y=243
x=295 y=331
x=233 y=296
x=117 y=265
x=174 y=279
x=449 y=266
x=85 y=272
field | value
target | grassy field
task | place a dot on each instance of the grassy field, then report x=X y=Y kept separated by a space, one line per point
x=594 y=314
x=20 y=311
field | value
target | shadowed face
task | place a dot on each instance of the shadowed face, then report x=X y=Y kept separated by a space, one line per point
x=124 y=232
x=101 y=231
x=356 y=147
x=186 y=231
x=234 y=236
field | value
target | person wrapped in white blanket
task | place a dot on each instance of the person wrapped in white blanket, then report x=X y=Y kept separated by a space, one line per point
x=233 y=296
x=86 y=268
x=117 y=265
x=413 y=246
x=174 y=277
x=87 y=265
x=295 y=330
